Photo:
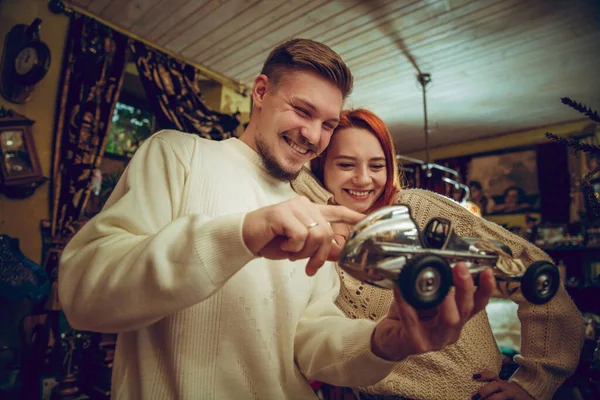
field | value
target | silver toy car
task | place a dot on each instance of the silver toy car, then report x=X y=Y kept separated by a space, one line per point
x=387 y=249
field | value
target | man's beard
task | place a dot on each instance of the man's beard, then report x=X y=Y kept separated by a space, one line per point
x=273 y=167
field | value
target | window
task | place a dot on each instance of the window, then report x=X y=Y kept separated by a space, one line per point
x=130 y=127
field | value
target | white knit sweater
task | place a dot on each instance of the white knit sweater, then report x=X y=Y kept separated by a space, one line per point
x=198 y=317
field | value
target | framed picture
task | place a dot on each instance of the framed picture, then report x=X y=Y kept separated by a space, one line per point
x=504 y=183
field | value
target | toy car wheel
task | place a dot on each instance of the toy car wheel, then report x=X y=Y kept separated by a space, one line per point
x=425 y=280
x=540 y=282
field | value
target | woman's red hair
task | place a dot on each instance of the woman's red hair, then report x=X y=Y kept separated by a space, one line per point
x=365 y=119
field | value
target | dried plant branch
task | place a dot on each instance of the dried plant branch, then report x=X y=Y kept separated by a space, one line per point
x=582 y=108
x=587 y=187
x=574 y=144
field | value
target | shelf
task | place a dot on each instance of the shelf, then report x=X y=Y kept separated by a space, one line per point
x=574 y=249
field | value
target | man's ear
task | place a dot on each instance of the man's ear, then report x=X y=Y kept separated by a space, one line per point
x=259 y=90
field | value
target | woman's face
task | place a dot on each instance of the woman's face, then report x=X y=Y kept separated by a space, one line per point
x=355 y=168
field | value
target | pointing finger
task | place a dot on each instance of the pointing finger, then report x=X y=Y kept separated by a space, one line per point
x=340 y=214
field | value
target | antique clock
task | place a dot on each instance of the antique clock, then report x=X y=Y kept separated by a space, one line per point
x=20 y=171
x=25 y=62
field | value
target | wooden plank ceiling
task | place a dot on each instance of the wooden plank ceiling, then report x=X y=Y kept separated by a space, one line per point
x=497 y=66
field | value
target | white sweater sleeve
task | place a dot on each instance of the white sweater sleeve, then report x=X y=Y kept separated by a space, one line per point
x=333 y=348
x=139 y=260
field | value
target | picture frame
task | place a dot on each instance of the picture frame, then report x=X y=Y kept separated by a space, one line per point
x=504 y=182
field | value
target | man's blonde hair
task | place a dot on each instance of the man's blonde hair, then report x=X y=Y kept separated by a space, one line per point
x=308 y=55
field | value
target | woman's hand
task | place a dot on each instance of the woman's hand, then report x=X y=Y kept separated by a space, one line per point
x=498 y=389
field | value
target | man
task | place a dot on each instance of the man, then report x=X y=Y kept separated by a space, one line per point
x=196 y=259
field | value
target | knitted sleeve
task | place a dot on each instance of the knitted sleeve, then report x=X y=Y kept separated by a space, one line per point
x=142 y=258
x=306 y=184
x=332 y=348
x=551 y=334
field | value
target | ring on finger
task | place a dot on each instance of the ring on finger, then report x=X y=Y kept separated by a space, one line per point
x=312 y=225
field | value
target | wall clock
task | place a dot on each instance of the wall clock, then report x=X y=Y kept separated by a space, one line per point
x=20 y=170
x=25 y=62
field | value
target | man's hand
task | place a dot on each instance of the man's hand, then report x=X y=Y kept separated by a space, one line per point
x=296 y=229
x=498 y=389
x=341 y=232
x=405 y=331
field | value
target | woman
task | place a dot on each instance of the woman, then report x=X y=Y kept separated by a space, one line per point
x=359 y=170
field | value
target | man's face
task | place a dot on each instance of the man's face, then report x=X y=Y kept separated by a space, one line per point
x=295 y=121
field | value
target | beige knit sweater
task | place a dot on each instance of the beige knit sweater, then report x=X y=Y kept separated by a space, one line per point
x=551 y=334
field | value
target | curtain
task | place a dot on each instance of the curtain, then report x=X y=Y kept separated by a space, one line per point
x=174 y=95
x=94 y=64
x=554 y=182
